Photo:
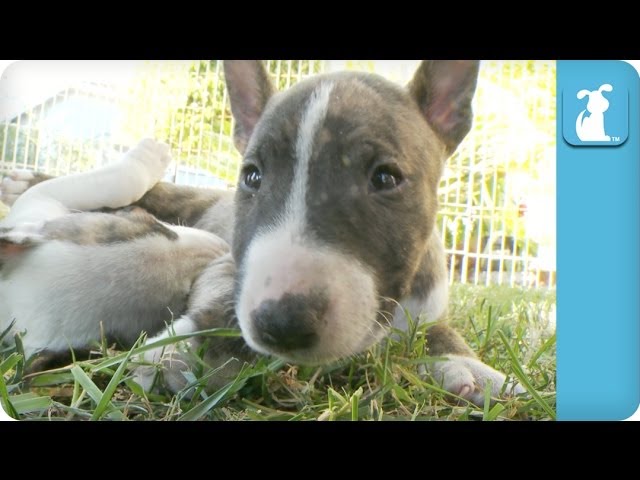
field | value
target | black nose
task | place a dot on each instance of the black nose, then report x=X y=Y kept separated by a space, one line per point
x=290 y=323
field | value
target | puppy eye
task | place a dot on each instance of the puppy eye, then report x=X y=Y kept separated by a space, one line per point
x=250 y=178
x=386 y=177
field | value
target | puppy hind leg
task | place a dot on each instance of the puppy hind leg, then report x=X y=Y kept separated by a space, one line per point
x=112 y=186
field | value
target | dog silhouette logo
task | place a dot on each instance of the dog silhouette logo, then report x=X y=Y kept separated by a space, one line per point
x=593 y=100
x=590 y=128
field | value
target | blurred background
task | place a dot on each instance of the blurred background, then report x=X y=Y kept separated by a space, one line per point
x=497 y=193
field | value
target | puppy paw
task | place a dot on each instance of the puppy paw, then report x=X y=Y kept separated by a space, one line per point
x=14 y=184
x=152 y=157
x=22 y=237
x=468 y=378
x=165 y=364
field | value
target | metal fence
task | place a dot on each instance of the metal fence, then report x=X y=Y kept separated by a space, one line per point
x=497 y=193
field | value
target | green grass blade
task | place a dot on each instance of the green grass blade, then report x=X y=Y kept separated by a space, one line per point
x=545 y=346
x=401 y=394
x=487 y=400
x=489 y=332
x=355 y=400
x=4 y=399
x=92 y=390
x=385 y=365
x=519 y=373
x=111 y=387
x=214 y=332
x=336 y=396
x=30 y=402
x=19 y=351
x=497 y=409
x=134 y=387
x=201 y=409
x=49 y=379
x=10 y=362
x=6 y=331
x=85 y=382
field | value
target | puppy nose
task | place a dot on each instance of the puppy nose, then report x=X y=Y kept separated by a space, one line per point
x=290 y=323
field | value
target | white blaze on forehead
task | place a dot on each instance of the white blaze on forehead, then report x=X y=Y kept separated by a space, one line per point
x=310 y=122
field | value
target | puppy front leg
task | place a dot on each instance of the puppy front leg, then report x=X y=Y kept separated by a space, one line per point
x=463 y=374
x=171 y=359
x=211 y=305
x=460 y=371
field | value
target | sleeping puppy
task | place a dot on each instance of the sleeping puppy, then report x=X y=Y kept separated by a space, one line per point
x=332 y=228
x=66 y=275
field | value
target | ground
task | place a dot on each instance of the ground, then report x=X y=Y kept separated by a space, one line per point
x=512 y=330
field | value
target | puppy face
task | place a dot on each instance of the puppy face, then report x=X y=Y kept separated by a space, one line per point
x=335 y=203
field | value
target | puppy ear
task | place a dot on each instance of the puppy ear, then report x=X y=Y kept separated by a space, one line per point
x=443 y=90
x=582 y=94
x=249 y=90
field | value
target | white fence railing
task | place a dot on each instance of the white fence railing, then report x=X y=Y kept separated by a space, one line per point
x=497 y=194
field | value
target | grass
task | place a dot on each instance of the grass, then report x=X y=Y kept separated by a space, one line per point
x=512 y=330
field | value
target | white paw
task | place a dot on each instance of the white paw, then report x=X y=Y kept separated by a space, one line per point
x=170 y=361
x=153 y=156
x=145 y=376
x=23 y=175
x=468 y=378
x=166 y=366
x=27 y=234
x=13 y=185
